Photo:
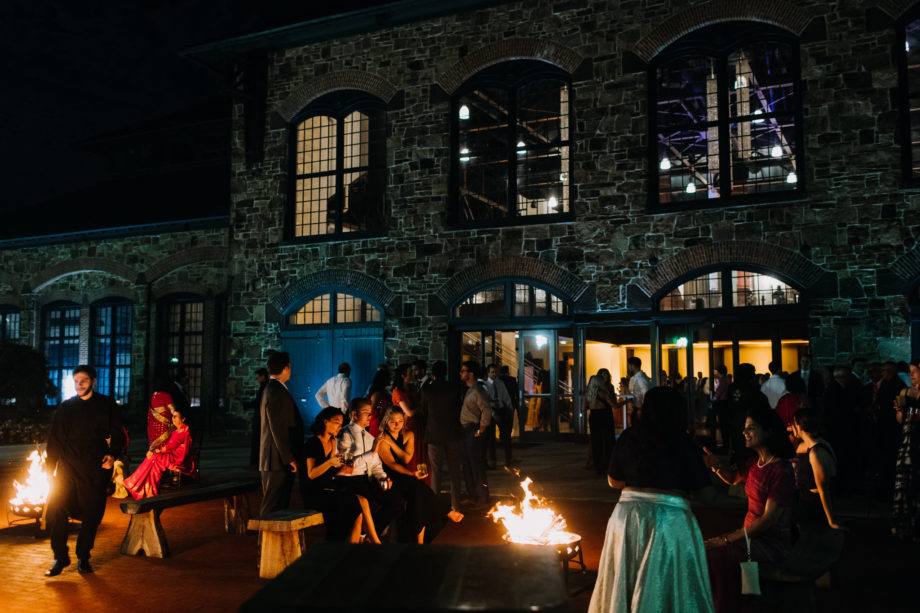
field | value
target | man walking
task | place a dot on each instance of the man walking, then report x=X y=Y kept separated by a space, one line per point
x=440 y=407
x=336 y=391
x=77 y=446
x=282 y=436
x=475 y=417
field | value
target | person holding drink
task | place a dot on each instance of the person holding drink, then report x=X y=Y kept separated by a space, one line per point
x=426 y=511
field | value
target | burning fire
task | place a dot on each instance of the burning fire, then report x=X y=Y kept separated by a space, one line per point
x=31 y=496
x=532 y=522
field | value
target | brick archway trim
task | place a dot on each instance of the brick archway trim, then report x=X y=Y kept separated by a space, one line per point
x=185 y=258
x=331 y=82
x=13 y=300
x=777 y=12
x=562 y=282
x=511 y=49
x=216 y=286
x=902 y=276
x=82 y=264
x=771 y=257
x=896 y=8
x=333 y=278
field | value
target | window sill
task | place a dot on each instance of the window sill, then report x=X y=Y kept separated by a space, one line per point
x=511 y=221
x=775 y=198
x=331 y=238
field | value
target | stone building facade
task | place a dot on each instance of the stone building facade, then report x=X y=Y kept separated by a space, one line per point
x=842 y=240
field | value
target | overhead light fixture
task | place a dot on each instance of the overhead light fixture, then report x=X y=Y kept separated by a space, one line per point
x=776 y=151
x=464 y=112
x=758 y=112
x=740 y=81
x=691 y=188
x=464 y=155
x=665 y=164
x=521 y=147
x=792 y=178
x=552 y=202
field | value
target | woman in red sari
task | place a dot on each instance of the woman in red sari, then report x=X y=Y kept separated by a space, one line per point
x=159 y=413
x=176 y=454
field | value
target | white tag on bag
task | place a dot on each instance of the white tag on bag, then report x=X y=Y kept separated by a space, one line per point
x=750 y=574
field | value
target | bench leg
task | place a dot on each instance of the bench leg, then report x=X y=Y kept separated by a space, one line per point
x=145 y=533
x=279 y=550
x=236 y=514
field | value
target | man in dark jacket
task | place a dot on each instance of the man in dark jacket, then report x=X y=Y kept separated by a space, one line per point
x=440 y=406
x=78 y=448
x=281 y=448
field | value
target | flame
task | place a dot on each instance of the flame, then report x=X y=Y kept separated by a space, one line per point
x=34 y=491
x=532 y=522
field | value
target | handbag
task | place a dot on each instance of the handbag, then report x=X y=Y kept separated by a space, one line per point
x=750 y=573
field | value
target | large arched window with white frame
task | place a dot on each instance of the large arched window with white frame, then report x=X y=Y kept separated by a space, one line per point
x=727 y=121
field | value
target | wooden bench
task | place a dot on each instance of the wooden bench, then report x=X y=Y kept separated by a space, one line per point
x=790 y=587
x=282 y=538
x=145 y=533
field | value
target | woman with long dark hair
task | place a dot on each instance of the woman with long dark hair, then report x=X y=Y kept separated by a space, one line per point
x=601 y=399
x=653 y=557
x=380 y=398
x=770 y=487
x=404 y=400
x=816 y=473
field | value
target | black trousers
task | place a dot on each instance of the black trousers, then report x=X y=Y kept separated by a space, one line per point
x=504 y=424
x=603 y=437
x=81 y=496
x=276 y=491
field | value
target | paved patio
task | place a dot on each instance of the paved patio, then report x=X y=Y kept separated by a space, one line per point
x=214 y=571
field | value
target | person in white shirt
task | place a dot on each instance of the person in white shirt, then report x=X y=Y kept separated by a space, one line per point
x=367 y=480
x=774 y=387
x=336 y=391
x=502 y=415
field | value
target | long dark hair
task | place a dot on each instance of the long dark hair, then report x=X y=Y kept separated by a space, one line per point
x=380 y=381
x=401 y=370
x=663 y=421
x=318 y=427
x=776 y=437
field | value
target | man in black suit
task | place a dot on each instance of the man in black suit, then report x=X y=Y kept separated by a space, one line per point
x=281 y=445
x=814 y=384
x=440 y=406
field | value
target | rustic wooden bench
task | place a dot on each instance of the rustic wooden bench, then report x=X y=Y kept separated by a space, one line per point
x=283 y=538
x=145 y=533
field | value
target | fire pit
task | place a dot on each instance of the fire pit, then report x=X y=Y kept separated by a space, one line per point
x=532 y=522
x=31 y=496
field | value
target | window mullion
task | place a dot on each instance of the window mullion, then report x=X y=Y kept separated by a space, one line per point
x=512 y=153
x=339 y=199
x=724 y=118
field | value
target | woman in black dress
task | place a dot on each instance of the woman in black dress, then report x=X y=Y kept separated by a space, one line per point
x=341 y=510
x=425 y=511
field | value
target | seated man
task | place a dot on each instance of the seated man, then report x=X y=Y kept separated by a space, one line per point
x=367 y=475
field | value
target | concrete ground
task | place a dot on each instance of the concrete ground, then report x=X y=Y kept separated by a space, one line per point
x=213 y=571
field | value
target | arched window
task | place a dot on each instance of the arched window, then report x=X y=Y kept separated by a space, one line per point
x=182 y=340
x=727 y=118
x=335 y=307
x=909 y=74
x=729 y=288
x=61 y=345
x=511 y=299
x=511 y=131
x=338 y=151
x=9 y=323
x=111 y=327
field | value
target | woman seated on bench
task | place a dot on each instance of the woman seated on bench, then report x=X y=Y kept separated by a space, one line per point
x=342 y=511
x=176 y=454
x=426 y=512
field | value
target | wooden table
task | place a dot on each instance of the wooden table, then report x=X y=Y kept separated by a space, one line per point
x=403 y=578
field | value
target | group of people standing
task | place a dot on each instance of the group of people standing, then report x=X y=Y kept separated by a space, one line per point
x=366 y=467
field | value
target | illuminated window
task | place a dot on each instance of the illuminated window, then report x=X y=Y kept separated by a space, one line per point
x=183 y=338
x=726 y=118
x=754 y=289
x=511 y=147
x=732 y=288
x=339 y=307
x=339 y=178
x=9 y=324
x=909 y=60
x=110 y=342
x=61 y=345
x=526 y=301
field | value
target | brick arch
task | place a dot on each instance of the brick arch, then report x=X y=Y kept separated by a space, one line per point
x=896 y=8
x=82 y=264
x=333 y=278
x=13 y=300
x=332 y=82
x=814 y=280
x=217 y=286
x=776 y=12
x=118 y=291
x=183 y=258
x=502 y=51
x=902 y=277
x=563 y=283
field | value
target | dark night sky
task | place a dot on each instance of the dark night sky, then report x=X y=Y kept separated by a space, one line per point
x=72 y=71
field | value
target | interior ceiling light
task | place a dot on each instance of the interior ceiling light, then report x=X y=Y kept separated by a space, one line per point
x=691 y=188
x=665 y=164
x=464 y=112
